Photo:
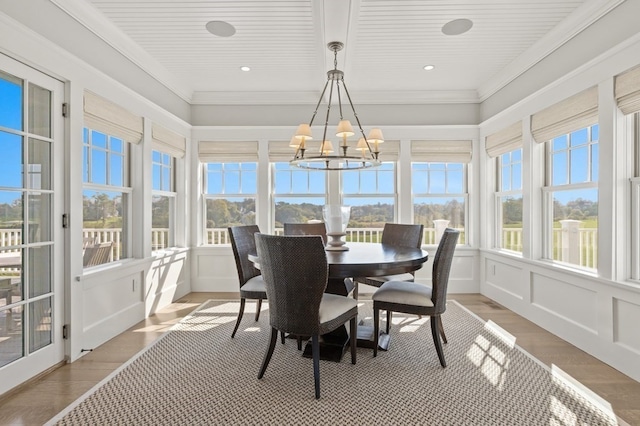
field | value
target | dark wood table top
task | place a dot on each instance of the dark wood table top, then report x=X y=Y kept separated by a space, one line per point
x=371 y=259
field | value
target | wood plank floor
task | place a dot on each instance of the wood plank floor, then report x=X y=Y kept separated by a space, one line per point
x=39 y=400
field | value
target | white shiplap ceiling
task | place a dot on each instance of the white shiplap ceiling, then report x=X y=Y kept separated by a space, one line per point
x=387 y=43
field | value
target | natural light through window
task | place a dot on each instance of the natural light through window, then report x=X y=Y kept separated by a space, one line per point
x=105 y=198
x=572 y=198
x=439 y=198
x=230 y=198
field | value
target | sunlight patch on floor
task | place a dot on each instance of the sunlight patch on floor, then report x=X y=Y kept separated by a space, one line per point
x=177 y=306
x=502 y=334
x=153 y=328
x=227 y=308
x=408 y=324
x=569 y=384
x=491 y=361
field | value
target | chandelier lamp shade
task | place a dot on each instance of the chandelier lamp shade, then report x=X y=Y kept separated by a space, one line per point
x=321 y=155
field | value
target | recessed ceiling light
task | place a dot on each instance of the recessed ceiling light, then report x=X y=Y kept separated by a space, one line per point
x=457 y=27
x=245 y=68
x=221 y=28
x=429 y=67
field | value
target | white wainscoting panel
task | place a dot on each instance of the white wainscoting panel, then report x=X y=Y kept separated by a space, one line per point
x=596 y=315
x=506 y=278
x=625 y=324
x=464 y=271
x=167 y=279
x=214 y=270
x=565 y=300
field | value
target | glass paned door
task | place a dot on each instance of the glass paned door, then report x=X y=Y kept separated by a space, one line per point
x=31 y=241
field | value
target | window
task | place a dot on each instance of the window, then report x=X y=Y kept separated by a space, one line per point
x=230 y=198
x=163 y=199
x=627 y=92
x=371 y=193
x=105 y=197
x=572 y=197
x=635 y=201
x=509 y=201
x=298 y=194
x=439 y=198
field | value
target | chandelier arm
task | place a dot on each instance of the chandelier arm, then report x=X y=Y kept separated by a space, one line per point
x=355 y=114
x=339 y=97
x=326 y=121
x=324 y=89
x=321 y=160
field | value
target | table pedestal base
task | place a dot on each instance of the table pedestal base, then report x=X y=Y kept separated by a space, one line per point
x=365 y=338
x=335 y=344
x=332 y=345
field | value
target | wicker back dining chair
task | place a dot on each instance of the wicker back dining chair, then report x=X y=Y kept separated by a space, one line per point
x=413 y=298
x=395 y=234
x=252 y=286
x=318 y=228
x=295 y=272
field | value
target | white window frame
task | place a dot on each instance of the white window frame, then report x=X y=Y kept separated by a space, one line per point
x=360 y=194
x=549 y=189
x=87 y=185
x=301 y=195
x=500 y=194
x=170 y=193
x=634 y=183
x=224 y=237
x=464 y=195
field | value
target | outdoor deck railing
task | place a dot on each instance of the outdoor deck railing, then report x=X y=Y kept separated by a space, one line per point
x=571 y=244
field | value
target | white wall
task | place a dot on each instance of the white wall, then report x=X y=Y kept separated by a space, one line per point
x=104 y=301
x=597 y=312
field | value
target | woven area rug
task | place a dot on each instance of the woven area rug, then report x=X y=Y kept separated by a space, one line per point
x=196 y=375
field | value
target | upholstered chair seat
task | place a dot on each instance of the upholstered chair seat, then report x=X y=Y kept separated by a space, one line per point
x=419 y=299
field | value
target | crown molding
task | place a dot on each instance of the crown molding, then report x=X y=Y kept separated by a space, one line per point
x=91 y=18
x=359 y=98
x=585 y=15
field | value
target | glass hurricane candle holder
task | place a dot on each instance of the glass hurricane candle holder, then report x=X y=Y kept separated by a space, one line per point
x=336 y=219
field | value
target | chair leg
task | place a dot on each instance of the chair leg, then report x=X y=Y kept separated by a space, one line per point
x=388 y=321
x=444 y=336
x=299 y=339
x=258 y=308
x=242 y=302
x=435 y=331
x=353 y=336
x=376 y=329
x=355 y=290
x=282 y=337
x=267 y=356
x=315 y=346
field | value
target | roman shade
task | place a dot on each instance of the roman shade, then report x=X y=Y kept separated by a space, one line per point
x=167 y=141
x=109 y=118
x=576 y=112
x=222 y=151
x=389 y=150
x=504 y=140
x=627 y=87
x=280 y=151
x=441 y=151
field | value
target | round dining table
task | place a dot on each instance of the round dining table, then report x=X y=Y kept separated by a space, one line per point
x=361 y=260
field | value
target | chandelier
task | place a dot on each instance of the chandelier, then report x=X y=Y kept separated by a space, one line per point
x=321 y=156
